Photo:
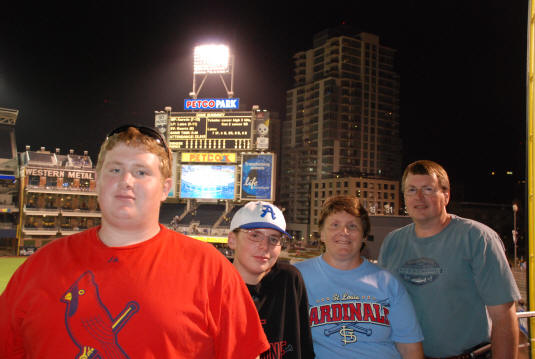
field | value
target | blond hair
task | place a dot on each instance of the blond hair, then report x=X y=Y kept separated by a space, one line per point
x=134 y=138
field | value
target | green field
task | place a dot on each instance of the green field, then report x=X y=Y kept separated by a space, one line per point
x=8 y=265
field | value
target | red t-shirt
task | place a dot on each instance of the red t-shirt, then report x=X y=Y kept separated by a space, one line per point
x=168 y=297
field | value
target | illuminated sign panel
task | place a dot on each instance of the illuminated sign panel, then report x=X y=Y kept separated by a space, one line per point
x=212 y=104
x=210 y=130
x=208 y=157
x=257 y=176
x=211 y=59
x=207 y=181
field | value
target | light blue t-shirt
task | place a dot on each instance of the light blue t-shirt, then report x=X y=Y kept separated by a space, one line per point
x=358 y=313
x=451 y=277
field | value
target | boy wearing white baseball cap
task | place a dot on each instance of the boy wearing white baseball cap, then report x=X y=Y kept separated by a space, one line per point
x=257 y=233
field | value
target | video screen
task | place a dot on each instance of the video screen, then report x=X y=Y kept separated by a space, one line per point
x=207 y=181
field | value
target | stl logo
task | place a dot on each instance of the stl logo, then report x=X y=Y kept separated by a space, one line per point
x=348 y=332
x=89 y=323
x=347 y=335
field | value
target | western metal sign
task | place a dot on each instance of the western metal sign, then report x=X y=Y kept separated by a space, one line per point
x=48 y=172
x=212 y=104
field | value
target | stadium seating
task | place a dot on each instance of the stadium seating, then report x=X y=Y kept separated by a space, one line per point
x=204 y=214
x=200 y=219
x=225 y=222
x=168 y=211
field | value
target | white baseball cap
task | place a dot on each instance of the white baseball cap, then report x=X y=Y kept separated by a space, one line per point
x=259 y=215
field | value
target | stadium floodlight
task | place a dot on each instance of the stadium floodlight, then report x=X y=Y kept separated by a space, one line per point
x=8 y=116
x=211 y=59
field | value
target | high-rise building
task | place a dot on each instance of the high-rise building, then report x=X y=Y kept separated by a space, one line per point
x=342 y=118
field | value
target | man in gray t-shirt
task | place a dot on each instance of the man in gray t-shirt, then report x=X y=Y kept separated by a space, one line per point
x=454 y=269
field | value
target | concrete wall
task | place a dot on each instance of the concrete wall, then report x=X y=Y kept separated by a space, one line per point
x=380 y=227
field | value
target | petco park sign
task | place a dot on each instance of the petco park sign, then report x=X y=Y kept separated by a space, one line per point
x=208 y=157
x=212 y=104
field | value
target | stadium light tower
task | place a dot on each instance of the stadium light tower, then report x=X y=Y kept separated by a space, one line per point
x=8 y=116
x=213 y=59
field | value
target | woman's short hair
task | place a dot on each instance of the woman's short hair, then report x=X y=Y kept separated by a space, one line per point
x=349 y=204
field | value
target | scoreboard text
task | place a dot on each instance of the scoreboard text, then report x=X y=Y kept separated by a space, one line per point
x=210 y=130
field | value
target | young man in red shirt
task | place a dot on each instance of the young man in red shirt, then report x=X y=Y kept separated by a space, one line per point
x=129 y=287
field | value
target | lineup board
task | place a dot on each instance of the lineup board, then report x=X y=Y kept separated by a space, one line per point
x=210 y=130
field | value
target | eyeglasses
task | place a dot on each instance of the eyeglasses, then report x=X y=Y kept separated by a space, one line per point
x=256 y=236
x=426 y=191
x=351 y=227
x=147 y=131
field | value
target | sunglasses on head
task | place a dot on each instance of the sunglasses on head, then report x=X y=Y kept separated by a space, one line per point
x=147 y=131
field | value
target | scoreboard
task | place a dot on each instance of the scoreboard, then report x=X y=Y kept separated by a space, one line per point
x=219 y=155
x=210 y=130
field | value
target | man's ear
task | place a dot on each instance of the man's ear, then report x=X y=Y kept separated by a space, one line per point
x=232 y=240
x=166 y=188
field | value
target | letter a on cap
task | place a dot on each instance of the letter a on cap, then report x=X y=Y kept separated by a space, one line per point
x=267 y=209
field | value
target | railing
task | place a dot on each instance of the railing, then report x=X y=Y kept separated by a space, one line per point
x=525 y=314
x=520 y=315
x=524 y=345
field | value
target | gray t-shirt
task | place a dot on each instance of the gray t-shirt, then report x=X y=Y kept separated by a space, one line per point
x=451 y=277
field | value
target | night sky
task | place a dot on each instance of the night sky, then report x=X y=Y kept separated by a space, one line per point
x=75 y=70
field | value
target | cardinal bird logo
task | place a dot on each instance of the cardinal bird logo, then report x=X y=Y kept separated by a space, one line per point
x=89 y=323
